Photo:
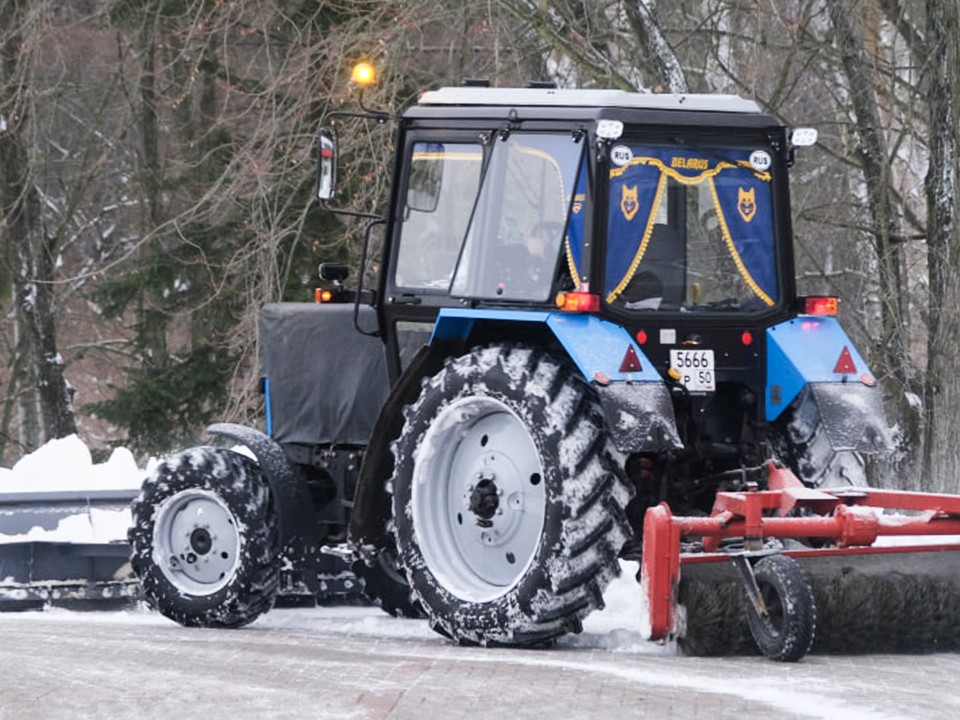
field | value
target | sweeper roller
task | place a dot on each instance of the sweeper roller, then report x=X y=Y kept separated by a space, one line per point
x=799 y=569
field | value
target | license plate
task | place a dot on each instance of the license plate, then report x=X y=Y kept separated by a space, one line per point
x=696 y=368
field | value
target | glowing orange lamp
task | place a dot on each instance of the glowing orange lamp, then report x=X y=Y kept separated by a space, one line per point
x=363 y=74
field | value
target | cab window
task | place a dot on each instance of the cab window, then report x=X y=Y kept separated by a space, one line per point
x=690 y=229
x=513 y=245
x=441 y=188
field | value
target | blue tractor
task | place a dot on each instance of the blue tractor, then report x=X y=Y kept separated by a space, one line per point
x=586 y=308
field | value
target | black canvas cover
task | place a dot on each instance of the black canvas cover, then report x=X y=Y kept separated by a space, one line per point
x=325 y=381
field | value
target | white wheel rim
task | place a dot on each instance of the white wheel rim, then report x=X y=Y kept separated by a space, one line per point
x=478 y=499
x=196 y=542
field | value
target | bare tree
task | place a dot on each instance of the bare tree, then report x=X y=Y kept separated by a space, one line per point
x=875 y=157
x=941 y=396
x=32 y=250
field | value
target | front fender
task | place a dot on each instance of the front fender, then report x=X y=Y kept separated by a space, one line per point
x=296 y=518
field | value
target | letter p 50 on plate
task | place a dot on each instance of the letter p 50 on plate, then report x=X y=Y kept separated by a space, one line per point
x=696 y=368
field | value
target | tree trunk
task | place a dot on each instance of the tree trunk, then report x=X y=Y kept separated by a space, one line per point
x=658 y=53
x=893 y=353
x=30 y=251
x=942 y=392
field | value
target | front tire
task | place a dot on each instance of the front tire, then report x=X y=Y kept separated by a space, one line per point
x=508 y=505
x=204 y=539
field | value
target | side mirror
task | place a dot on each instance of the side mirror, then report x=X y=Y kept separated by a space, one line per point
x=426 y=178
x=326 y=164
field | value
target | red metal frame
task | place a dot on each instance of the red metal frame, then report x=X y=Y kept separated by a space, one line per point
x=847 y=516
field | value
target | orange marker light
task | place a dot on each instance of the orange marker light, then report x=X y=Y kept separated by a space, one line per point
x=578 y=302
x=363 y=74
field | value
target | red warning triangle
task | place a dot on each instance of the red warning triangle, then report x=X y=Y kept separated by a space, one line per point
x=845 y=363
x=631 y=363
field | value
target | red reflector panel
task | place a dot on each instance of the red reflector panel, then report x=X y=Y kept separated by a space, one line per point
x=631 y=363
x=845 y=363
x=820 y=305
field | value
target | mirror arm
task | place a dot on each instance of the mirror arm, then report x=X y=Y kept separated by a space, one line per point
x=363 y=267
x=351 y=213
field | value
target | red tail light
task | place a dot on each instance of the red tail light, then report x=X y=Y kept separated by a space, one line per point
x=819 y=305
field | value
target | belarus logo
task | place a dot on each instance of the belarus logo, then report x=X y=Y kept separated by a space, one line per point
x=747 y=203
x=578 y=203
x=628 y=202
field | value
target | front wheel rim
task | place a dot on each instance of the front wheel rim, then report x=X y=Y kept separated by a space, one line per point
x=478 y=499
x=196 y=542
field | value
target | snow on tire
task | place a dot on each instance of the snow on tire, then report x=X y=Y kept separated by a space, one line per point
x=508 y=504
x=204 y=539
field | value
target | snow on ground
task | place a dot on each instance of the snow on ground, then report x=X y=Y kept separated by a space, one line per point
x=66 y=465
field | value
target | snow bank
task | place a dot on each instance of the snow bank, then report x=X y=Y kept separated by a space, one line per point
x=66 y=465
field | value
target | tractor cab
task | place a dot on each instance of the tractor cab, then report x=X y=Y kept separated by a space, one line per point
x=664 y=216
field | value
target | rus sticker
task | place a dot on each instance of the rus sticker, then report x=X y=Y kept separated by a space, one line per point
x=760 y=160
x=621 y=155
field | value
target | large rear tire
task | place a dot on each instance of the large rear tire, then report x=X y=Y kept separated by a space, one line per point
x=806 y=448
x=204 y=539
x=508 y=505
x=385 y=584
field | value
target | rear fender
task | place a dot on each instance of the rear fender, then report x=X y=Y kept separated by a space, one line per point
x=368 y=532
x=296 y=518
x=636 y=402
x=815 y=353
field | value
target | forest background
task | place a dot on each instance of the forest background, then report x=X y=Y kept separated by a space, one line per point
x=157 y=178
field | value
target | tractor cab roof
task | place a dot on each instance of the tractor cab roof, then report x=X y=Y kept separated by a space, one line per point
x=551 y=97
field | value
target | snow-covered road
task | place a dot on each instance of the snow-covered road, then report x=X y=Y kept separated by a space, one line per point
x=355 y=662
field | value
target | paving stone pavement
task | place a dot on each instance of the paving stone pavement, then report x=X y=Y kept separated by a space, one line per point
x=141 y=666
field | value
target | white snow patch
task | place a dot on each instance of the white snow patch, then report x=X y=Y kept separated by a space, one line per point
x=622 y=626
x=65 y=465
